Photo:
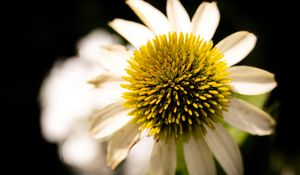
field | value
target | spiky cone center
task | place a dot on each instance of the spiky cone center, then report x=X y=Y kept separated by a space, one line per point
x=177 y=85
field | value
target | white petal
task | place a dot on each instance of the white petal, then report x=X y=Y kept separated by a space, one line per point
x=113 y=58
x=237 y=46
x=251 y=81
x=108 y=89
x=80 y=150
x=137 y=162
x=64 y=97
x=163 y=158
x=206 y=20
x=120 y=144
x=88 y=47
x=109 y=92
x=249 y=118
x=178 y=17
x=152 y=17
x=133 y=32
x=108 y=120
x=198 y=157
x=225 y=150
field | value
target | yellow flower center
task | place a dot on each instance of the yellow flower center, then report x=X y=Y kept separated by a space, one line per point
x=177 y=85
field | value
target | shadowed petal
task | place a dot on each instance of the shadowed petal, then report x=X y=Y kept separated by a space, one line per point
x=108 y=120
x=225 y=150
x=121 y=143
x=163 y=158
x=137 y=161
x=249 y=118
x=198 y=157
x=251 y=81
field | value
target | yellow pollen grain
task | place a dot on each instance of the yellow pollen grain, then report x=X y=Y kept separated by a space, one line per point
x=202 y=97
x=195 y=105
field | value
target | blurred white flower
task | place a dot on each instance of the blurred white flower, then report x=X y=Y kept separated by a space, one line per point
x=67 y=100
x=65 y=97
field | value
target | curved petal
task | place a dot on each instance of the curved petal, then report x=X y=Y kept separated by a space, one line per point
x=108 y=120
x=163 y=158
x=206 y=20
x=133 y=32
x=251 y=81
x=152 y=17
x=108 y=89
x=198 y=157
x=178 y=17
x=237 y=46
x=120 y=144
x=225 y=150
x=249 y=118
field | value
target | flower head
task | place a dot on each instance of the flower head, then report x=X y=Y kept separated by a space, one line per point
x=179 y=87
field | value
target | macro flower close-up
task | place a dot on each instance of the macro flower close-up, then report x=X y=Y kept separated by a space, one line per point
x=152 y=87
x=178 y=87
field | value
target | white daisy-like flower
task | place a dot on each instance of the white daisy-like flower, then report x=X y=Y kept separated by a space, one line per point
x=180 y=87
x=67 y=101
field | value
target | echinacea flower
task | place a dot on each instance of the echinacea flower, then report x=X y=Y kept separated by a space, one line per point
x=67 y=101
x=180 y=87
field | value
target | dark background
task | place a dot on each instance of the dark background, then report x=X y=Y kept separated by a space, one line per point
x=49 y=31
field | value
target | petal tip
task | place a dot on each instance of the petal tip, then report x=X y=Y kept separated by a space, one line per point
x=133 y=3
x=252 y=37
x=129 y=2
x=112 y=164
x=206 y=20
x=213 y=4
x=209 y=3
x=113 y=22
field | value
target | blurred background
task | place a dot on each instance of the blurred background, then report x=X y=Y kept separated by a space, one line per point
x=51 y=29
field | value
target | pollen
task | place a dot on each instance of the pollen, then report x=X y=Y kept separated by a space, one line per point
x=177 y=85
